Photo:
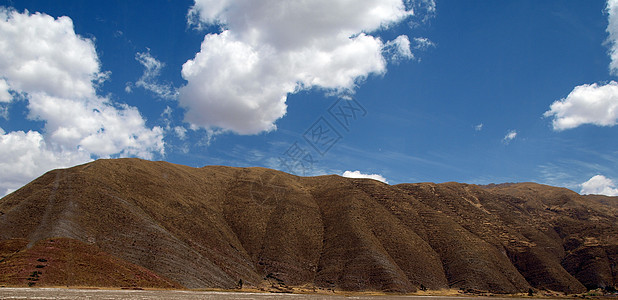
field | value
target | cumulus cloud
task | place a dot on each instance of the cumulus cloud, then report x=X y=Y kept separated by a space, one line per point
x=510 y=135
x=57 y=72
x=599 y=185
x=95 y=126
x=358 y=174
x=241 y=77
x=43 y=54
x=595 y=104
x=612 y=30
x=586 y=104
x=149 y=80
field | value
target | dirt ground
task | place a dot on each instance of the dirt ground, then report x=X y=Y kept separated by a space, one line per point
x=61 y=293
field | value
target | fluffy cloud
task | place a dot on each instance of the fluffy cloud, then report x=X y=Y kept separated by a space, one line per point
x=600 y=185
x=57 y=71
x=148 y=81
x=358 y=174
x=510 y=135
x=586 y=104
x=612 y=30
x=95 y=126
x=241 y=77
x=592 y=103
x=43 y=54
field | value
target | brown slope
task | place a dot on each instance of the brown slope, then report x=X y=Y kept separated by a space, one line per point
x=151 y=214
x=276 y=222
x=527 y=242
x=466 y=235
x=212 y=226
x=68 y=262
x=610 y=202
x=366 y=246
x=583 y=231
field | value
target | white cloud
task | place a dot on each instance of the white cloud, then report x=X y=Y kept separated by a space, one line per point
x=399 y=48
x=167 y=116
x=426 y=6
x=206 y=12
x=57 y=71
x=600 y=185
x=181 y=132
x=128 y=88
x=241 y=77
x=586 y=104
x=96 y=126
x=478 y=127
x=612 y=30
x=43 y=54
x=5 y=96
x=358 y=174
x=423 y=43
x=148 y=81
x=4 y=111
x=595 y=104
x=510 y=135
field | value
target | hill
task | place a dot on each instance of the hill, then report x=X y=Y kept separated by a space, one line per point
x=168 y=225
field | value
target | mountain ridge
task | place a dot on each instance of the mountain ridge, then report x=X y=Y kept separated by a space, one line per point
x=213 y=226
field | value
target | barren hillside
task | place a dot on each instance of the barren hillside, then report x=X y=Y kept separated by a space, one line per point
x=168 y=225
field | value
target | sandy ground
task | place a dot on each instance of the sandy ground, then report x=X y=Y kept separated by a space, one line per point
x=60 y=293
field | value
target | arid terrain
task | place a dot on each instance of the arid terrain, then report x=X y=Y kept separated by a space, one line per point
x=136 y=223
x=76 y=294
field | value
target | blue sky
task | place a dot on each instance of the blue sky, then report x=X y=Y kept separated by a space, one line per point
x=431 y=91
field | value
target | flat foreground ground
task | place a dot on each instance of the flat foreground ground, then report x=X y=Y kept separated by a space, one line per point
x=59 y=293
